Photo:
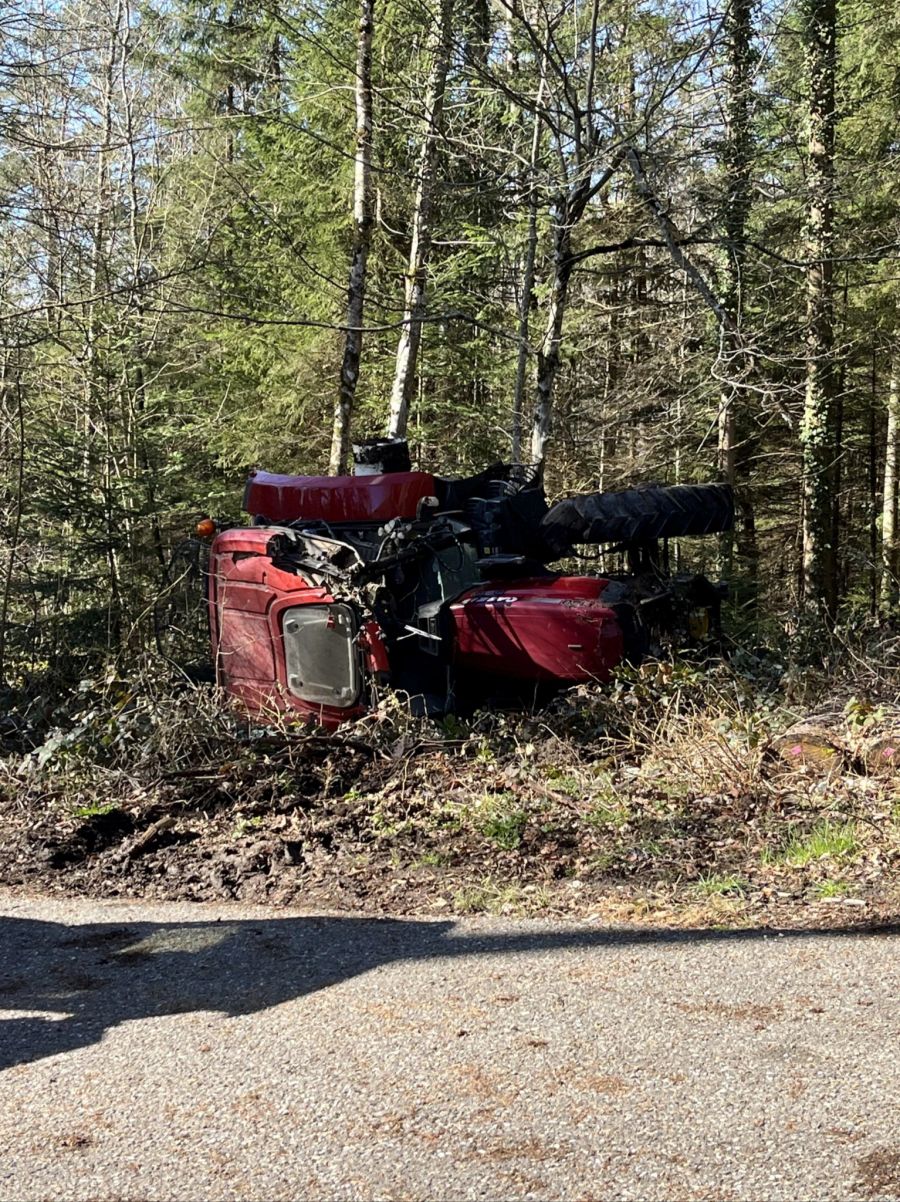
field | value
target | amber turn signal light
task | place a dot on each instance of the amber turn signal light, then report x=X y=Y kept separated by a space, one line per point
x=206 y=528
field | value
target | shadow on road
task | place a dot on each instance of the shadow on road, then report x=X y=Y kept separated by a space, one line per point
x=97 y=975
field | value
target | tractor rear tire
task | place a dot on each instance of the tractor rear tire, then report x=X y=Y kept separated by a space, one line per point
x=638 y=515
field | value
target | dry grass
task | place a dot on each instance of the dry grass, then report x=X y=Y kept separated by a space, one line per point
x=656 y=798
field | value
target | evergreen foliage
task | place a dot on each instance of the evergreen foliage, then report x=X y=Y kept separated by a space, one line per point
x=176 y=202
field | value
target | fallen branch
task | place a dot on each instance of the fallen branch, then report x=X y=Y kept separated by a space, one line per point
x=673 y=239
x=148 y=837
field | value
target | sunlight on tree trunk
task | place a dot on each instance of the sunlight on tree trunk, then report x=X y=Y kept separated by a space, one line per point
x=526 y=298
x=888 y=592
x=817 y=441
x=414 y=304
x=362 y=234
x=548 y=354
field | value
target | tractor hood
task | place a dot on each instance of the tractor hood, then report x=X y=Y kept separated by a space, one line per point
x=278 y=499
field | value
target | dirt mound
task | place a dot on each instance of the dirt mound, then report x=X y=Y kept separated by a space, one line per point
x=667 y=797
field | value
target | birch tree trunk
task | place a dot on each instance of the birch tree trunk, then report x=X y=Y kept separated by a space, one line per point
x=819 y=30
x=568 y=208
x=525 y=302
x=888 y=590
x=527 y=296
x=362 y=236
x=414 y=304
x=872 y=506
x=548 y=355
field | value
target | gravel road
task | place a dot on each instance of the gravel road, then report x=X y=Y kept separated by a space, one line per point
x=218 y=1052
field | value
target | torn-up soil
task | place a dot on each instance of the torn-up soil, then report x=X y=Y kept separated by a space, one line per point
x=465 y=822
x=690 y=818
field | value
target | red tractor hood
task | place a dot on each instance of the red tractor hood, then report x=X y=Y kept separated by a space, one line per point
x=278 y=499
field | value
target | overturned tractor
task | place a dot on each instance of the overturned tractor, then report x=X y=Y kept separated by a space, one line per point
x=441 y=588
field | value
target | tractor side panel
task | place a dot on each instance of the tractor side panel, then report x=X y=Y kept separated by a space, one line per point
x=549 y=630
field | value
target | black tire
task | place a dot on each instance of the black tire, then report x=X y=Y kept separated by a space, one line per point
x=638 y=515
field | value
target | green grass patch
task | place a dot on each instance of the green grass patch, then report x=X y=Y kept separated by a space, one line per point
x=825 y=889
x=827 y=840
x=95 y=809
x=651 y=848
x=431 y=859
x=607 y=814
x=565 y=782
x=499 y=818
x=716 y=884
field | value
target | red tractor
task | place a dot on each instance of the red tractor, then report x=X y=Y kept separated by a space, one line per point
x=440 y=588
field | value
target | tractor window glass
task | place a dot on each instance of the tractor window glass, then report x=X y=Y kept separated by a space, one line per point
x=456 y=569
x=320 y=654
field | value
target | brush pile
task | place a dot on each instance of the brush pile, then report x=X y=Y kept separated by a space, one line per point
x=732 y=795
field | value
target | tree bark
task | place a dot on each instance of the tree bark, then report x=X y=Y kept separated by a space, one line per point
x=573 y=194
x=548 y=355
x=568 y=211
x=737 y=162
x=872 y=486
x=888 y=591
x=97 y=416
x=16 y=418
x=414 y=305
x=817 y=441
x=527 y=297
x=672 y=238
x=362 y=236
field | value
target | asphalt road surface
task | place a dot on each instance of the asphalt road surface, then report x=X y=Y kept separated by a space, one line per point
x=219 y=1052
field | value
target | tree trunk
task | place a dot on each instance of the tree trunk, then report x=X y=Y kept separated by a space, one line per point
x=737 y=158
x=414 y=306
x=817 y=440
x=818 y=743
x=570 y=203
x=362 y=235
x=527 y=297
x=97 y=415
x=15 y=415
x=568 y=210
x=548 y=355
x=888 y=590
x=872 y=487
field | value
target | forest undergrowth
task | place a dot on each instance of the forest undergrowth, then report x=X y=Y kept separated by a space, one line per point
x=736 y=793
